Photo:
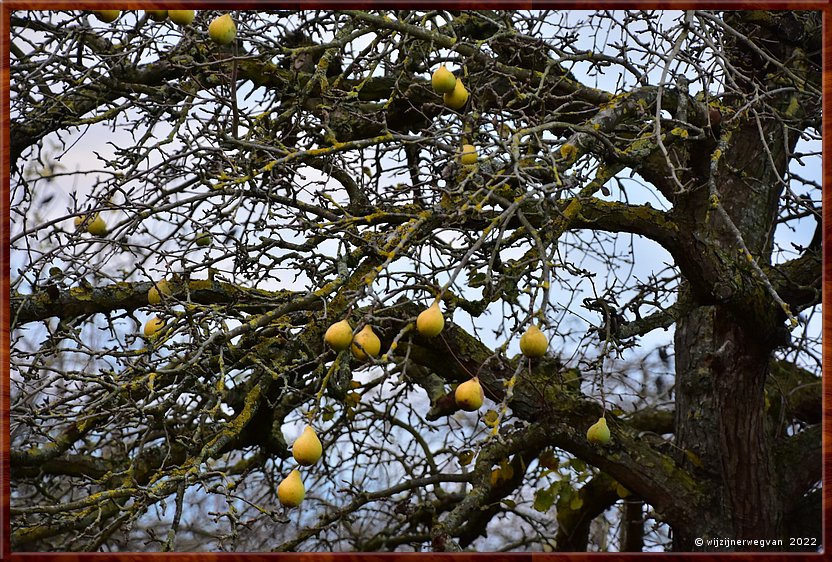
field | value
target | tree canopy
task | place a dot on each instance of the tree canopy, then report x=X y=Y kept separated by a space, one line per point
x=617 y=215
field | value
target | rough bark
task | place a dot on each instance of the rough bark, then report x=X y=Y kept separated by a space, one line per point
x=722 y=359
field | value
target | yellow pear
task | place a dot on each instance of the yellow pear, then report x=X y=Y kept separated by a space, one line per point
x=469 y=395
x=154 y=295
x=152 y=326
x=368 y=340
x=456 y=98
x=107 y=16
x=307 y=448
x=222 y=30
x=443 y=80
x=290 y=491
x=202 y=239
x=533 y=343
x=468 y=155
x=95 y=226
x=430 y=321
x=181 y=17
x=157 y=15
x=599 y=432
x=339 y=335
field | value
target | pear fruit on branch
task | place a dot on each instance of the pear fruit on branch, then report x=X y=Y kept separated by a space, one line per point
x=366 y=343
x=182 y=17
x=307 y=448
x=95 y=224
x=222 y=29
x=339 y=335
x=443 y=80
x=430 y=321
x=203 y=239
x=154 y=295
x=153 y=326
x=599 y=432
x=106 y=16
x=533 y=343
x=469 y=395
x=456 y=98
x=468 y=155
x=290 y=491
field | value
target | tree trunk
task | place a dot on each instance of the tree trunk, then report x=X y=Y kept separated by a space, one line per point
x=721 y=370
x=723 y=352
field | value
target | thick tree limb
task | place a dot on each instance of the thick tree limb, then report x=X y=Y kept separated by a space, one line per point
x=799 y=281
x=79 y=301
x=799 y=460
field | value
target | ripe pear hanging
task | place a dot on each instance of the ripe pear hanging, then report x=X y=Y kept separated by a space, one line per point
x=107 y=16
x=468 y=155
x=290 y=491
x=153 y=326
x=430 y=321
x=154 y=295
x=599 y=432
x=533 y=343
x=339 y=335
x=307 y=448
x=182 y=17
x=222 y=30
x=95 y=225
x=203 y=239
x=366 y=343
x=443 y=80
x=456 y=98
x=469 y=395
